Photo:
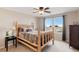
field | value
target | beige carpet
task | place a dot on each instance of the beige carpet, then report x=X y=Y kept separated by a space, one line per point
x=59 y=46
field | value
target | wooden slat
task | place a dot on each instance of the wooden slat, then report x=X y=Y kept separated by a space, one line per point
x=52 y=34
x=52 y=37
x=48 y=35
x=43 y=38
x=45 y=45
x=30 y=38
x=39 y=45
x=28 y=42
x=17 y=32
x=28 y=45
x=35 y=39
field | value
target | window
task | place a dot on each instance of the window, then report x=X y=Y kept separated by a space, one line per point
x=58 y=21
x=48 y=22
x=56 y=24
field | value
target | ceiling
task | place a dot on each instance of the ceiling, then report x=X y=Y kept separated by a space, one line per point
x=54 y=10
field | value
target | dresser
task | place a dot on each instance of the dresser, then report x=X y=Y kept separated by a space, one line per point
x=74 y=36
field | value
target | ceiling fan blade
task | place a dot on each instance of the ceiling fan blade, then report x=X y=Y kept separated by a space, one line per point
x=47 y=11
x=46 y=8
x=35 y=11
x=35 y=8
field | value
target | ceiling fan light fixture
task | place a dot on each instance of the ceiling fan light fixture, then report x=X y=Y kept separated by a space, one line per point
x=41 y=12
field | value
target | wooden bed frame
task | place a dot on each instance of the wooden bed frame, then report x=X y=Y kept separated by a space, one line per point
x=36 y=47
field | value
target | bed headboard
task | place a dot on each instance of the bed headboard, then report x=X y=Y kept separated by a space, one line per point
x=23 y=27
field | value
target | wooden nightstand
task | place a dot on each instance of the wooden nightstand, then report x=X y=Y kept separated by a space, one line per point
x=9 y=39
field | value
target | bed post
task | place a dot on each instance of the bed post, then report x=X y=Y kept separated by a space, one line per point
x=39 y=45
x=16 y=26
x=53 y=37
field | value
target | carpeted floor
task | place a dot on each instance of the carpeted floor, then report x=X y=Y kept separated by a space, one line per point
x=59 y=46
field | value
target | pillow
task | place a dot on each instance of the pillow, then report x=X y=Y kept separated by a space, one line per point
x=20 y=29
x=28 y=30
x=25 y=29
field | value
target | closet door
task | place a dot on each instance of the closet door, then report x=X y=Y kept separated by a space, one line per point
x=74 y=36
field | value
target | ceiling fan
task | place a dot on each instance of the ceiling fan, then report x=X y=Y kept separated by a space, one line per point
x=41 y=10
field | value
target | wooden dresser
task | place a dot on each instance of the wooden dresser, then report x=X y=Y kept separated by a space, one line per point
x=74 y=36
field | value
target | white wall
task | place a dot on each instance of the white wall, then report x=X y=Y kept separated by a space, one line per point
x=71 y=19
x=40 y=23
x=7 y=18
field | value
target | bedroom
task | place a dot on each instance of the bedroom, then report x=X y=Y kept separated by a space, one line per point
x=24 y=15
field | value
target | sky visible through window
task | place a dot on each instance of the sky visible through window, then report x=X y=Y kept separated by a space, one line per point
x=56 y=21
